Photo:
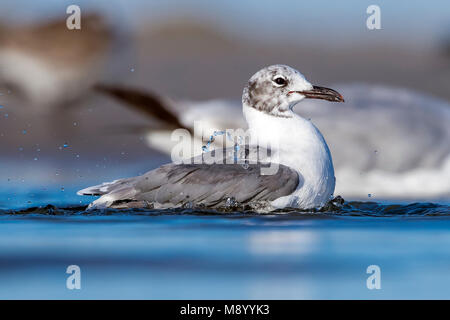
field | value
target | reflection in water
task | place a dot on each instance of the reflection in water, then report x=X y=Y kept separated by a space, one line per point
x=281 y=242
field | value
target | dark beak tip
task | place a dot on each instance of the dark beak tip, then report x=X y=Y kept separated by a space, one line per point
x=338 y=97
x=321 y=93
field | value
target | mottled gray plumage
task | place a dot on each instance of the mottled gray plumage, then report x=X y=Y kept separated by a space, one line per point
x=261 y=94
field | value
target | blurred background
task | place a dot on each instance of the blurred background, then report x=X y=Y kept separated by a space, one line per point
x=389 y=141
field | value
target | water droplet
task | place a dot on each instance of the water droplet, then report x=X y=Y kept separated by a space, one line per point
x=231 y=202
x=188 y=205
x=65 y=145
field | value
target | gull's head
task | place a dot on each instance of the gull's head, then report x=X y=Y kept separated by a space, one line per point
x=277 y=89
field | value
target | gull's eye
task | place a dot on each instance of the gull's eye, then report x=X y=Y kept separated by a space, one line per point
x=279 y=81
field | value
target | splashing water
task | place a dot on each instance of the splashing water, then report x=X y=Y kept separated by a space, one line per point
x=206 y=148
x=336 y=208
x=236 y=146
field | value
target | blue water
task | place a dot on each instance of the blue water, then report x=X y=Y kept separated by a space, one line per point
x=195 y=254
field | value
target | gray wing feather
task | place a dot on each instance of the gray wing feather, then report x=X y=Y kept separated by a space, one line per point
x=212 y=185
x=239 y=177
x=106 y=187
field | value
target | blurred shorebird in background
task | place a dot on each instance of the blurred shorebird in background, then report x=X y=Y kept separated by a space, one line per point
x=386 y=142
x=46 y=66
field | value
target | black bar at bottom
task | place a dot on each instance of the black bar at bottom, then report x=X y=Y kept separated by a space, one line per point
x=210 y=309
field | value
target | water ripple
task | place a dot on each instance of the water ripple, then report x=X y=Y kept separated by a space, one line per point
x=344 y=208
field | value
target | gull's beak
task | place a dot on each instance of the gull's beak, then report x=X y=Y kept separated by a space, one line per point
x=321 y=93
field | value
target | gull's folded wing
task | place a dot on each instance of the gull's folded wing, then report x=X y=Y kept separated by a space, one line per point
x=211 y=185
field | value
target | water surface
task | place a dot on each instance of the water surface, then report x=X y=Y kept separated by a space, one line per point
x=205 y=254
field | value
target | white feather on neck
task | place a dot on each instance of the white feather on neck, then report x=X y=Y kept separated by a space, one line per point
x=300 y=145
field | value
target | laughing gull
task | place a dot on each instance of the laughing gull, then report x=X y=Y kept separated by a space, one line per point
x=386 y=142
x=304 y=177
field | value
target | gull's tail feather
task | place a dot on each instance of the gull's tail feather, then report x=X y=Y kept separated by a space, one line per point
x=98 y=190
x=110 y=193
x=150 y=104
x=106 y=187
x=113 y=199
